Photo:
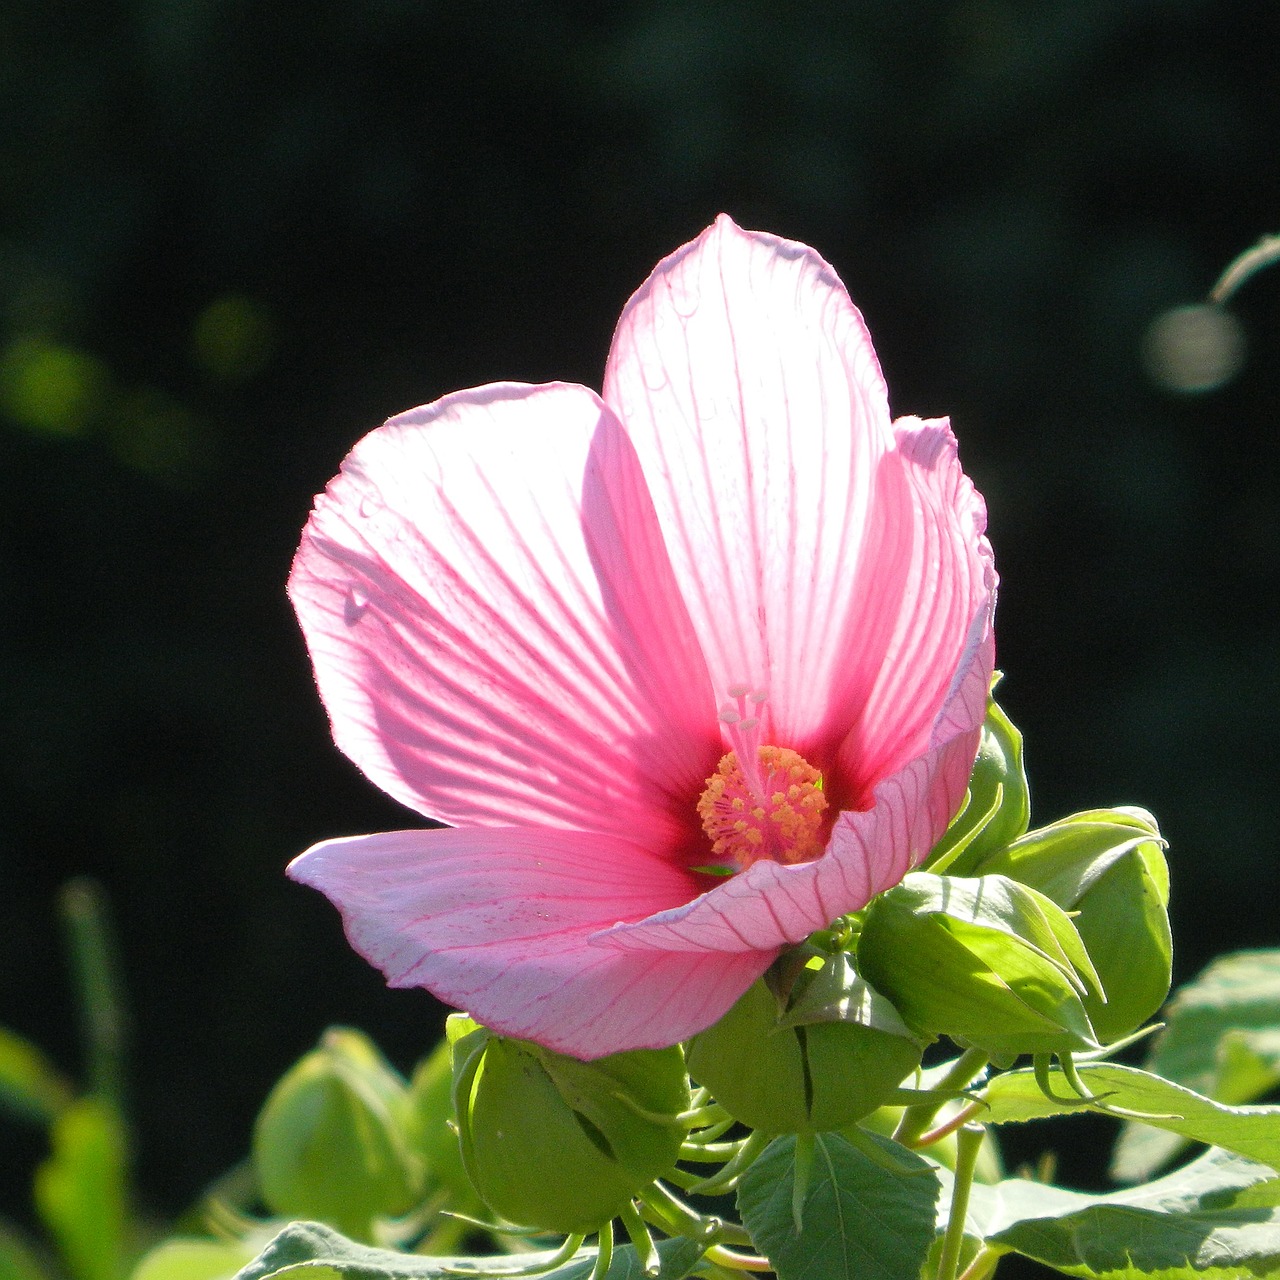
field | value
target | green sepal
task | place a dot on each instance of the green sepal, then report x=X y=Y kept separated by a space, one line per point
x=828 y=1058
x=997 y=804
x=988 y=961
x=551 y=1142
x=332 y=1139
x=1107 y=867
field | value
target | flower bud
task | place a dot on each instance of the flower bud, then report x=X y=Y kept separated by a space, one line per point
x=559 y=1144
x=816 y=1065
x=433 y=1136
x=986 y=961
x=997 y=806
x=331 y=1141
x=1107 y=866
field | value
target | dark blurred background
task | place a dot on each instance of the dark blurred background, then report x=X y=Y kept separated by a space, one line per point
x=237 y=234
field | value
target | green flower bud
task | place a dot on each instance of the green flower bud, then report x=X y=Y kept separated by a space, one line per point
x=825 y=1061
x=433 y=1136
x=997 y=807
x=559 y=1144
x=986 y=961
x=1107 y=866
x=331 y=1141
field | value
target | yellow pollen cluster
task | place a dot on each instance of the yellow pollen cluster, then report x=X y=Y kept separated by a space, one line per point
x=780 y=818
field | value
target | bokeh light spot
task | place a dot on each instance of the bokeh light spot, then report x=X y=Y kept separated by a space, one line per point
x=154 y=434
x=1193 y=348
x=233 y=338
x=48 y=388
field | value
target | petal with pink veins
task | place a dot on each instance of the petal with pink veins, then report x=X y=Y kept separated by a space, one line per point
x=496 y=632
x=748 y=382
x=922 y=601
x=771 y=904
x=533 y=959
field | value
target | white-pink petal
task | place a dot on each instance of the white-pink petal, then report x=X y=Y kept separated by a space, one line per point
x=512 y=925
x=747 y=380
x=496 y=632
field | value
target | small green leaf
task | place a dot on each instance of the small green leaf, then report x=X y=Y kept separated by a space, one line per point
x=1222 y=1039
x=1249 y=1131
x=861 y=1220
x=80 y=1190
x=310 y=1250
x=30 y=1086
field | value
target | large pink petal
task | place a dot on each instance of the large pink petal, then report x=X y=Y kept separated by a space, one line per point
x=870 y=850
x=512 y=924
x=747 y=380
x=495 y=628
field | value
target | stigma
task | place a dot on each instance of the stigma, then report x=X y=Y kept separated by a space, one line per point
x=762 y=802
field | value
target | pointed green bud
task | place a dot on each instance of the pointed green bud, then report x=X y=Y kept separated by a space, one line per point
x=826 y=1054
x=997 y=807
x=559 y=1144
x=987 y=961
x=331 y=1142
x=1106 y=866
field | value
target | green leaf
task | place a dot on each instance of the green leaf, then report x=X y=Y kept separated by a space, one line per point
x=860 y=1219
x=1202 y=1220
x=1249 y=1131
x=308 y=1248
x=1217 y=1217
x=80 y=1190
x=30 y=1086
x=193 y=1259
x=986 y=961
x=1222 y=1039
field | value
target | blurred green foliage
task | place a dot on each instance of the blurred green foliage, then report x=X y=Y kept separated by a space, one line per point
x=233 y=237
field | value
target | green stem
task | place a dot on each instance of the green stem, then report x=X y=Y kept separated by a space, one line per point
x=917 y=1120
x=604 y=1252
x=983 y=1265
x=83 y=906
x=646 y=1250
x=968 y=1144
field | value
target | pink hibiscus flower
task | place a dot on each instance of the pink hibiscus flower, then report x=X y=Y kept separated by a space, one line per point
x=690 y=668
